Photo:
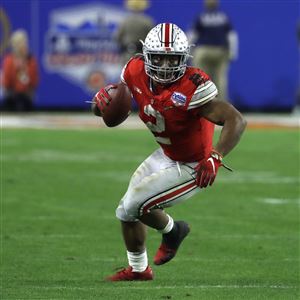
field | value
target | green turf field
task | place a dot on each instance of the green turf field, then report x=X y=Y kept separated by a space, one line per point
x=60 y=237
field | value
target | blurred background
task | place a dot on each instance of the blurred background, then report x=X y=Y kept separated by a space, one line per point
x=77 y=52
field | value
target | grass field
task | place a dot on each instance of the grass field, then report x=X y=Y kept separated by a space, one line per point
x=59 y=236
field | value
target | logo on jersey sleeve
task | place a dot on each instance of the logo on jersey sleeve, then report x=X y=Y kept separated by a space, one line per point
x=178 y=99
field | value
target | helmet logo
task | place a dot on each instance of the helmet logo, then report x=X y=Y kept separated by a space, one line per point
x=166 y=34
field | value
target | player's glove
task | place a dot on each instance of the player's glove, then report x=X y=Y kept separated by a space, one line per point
x=102 y=98
x=207 y=168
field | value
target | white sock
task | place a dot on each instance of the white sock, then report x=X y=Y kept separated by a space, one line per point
x=168 y=227
x=138 y=261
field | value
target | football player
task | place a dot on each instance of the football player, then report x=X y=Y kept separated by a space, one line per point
x=179 y=106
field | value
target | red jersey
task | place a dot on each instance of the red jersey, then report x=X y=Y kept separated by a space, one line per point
x=170 y=113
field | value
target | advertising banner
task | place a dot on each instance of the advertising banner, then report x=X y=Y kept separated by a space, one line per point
x=74 y=43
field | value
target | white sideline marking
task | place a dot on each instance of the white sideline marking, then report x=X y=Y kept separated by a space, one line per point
x=159 y=287
x=88 y=120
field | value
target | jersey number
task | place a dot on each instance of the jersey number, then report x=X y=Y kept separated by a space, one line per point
x=158 y=126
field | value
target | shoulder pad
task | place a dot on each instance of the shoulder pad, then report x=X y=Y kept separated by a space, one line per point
x=133 y=67
x=204 y=93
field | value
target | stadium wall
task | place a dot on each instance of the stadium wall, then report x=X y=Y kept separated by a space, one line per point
x=73 y=41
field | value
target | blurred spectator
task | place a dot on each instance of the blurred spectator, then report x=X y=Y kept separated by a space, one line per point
x=216 y=44
x=133 y=29
x=20 y=74
x=95 y=80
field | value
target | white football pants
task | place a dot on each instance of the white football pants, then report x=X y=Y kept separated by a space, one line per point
x=158 y=182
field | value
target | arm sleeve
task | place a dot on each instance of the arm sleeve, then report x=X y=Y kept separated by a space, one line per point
x=203 y=94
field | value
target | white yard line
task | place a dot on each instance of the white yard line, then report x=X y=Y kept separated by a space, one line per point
x=168 y=287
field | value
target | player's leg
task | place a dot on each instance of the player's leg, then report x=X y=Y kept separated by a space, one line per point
x=134 y=235
x=134 y=232
x=156 y=184
x=222 y=76
x=173 y=233
x=166 y=185
x=201 y=59
x=156 y=219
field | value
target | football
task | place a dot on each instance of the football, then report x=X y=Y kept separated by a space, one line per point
x=120 y=106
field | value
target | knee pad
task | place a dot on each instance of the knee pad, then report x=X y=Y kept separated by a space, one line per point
x=125 y=211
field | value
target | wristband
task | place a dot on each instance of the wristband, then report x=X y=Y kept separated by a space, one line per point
x=217 y=155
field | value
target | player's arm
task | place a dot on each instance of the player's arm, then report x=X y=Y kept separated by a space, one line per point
x=224 y=114
x=205 y=105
